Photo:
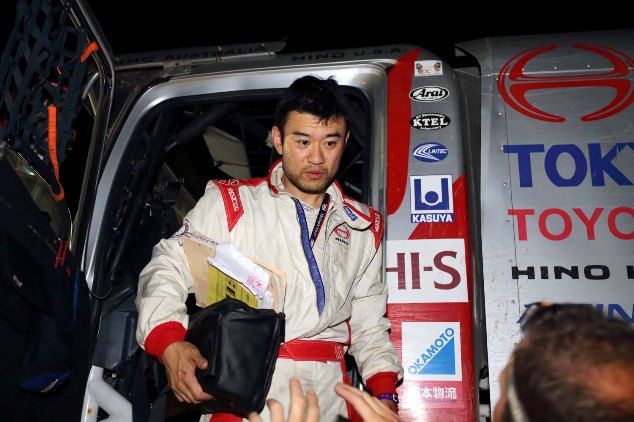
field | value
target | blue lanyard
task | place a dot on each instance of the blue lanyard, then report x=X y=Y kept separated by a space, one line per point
x=307 y=245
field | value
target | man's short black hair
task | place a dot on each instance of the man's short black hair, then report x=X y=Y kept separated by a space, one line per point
x=577 y=365
x=319 y=97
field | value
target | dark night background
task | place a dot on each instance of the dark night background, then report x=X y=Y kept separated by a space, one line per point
x=139 y=25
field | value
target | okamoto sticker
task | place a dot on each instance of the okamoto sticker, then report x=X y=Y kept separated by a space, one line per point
x=431 y=351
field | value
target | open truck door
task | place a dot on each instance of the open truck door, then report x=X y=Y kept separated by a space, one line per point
x=54 y=81
x=427 y=241
x=205 y=114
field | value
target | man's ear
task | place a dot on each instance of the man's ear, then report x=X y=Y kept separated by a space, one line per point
x=277 y=139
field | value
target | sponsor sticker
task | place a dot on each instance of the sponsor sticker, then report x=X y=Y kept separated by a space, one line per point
x=428 y=68
x=351 y=214
x=429 y=121
x=428 y=94
x=430 y=152
x=342 y=235
x=431 y=351
x=426 y=271
x=567 y=165
x=430 y=394
x=431 y=199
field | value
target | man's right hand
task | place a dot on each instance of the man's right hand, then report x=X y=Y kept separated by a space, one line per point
x=181 y=360
x=368 y=407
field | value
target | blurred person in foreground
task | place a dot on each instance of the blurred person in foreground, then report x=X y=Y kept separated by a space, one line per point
x=573 y=364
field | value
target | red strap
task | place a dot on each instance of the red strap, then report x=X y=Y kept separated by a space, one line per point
x=225 y=417
x=52 y=148
x=321 y=351
x=312 y=350
x=61 y=253
x=90 y=48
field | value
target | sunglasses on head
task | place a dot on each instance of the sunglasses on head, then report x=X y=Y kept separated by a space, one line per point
x=548 y=313
x=540 y=316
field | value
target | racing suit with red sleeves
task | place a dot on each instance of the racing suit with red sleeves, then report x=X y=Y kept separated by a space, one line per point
x=260 y=219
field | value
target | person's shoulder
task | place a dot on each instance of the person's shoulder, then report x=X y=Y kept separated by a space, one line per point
x=365 y=210
x=340 y=198
x=231 y=186
x=233 y=198
x=372 y=218
x=233 y=192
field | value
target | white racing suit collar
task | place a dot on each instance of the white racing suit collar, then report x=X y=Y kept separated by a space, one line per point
x=355 y=218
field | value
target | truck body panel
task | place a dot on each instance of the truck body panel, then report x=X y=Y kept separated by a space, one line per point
x=556 y=181
x=502 y=183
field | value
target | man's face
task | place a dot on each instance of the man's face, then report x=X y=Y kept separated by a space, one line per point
x=311 y=152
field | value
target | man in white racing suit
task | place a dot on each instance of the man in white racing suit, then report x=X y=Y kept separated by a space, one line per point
x=298 y=220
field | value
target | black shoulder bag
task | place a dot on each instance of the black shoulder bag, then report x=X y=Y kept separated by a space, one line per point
x=241 y=344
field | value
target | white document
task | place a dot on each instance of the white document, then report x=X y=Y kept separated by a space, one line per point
x=233 y=263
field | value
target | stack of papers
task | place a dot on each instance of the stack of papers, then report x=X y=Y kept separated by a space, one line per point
x=219 y=270
x=238 y=268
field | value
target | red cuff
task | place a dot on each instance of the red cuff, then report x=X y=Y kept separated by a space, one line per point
x=162 y=336
x=382 y=382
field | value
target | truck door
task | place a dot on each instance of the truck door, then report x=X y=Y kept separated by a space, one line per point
x=427 y=246
x=184 y=128
x=50 y=98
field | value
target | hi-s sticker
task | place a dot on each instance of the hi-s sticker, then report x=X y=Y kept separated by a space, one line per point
x=426 y=271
